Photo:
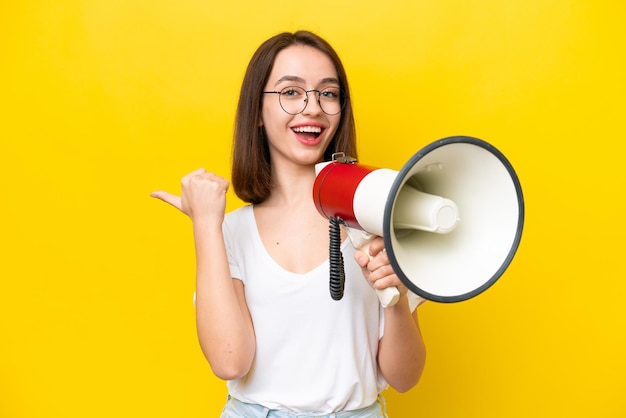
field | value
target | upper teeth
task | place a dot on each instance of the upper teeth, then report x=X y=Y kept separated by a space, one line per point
x=311 y=129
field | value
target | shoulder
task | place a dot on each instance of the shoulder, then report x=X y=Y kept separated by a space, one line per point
x=238 y=215
x=238 y=221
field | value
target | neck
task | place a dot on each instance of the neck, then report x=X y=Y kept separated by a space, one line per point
x=292 y=186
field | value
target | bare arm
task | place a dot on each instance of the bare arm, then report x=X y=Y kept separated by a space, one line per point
x=401 y=351
x=223 y=322
x=222 y=318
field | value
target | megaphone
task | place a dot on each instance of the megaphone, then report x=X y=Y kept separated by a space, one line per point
x=451 y=218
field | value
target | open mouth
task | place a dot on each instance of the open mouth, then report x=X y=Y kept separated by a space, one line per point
x=309 y=132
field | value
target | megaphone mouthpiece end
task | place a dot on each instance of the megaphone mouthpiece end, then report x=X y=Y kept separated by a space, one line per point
x=447 y=217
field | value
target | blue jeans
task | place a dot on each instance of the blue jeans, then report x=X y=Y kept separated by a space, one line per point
x=236 y=409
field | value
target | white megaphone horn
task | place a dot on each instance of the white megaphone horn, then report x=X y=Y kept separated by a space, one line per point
x=451 y=218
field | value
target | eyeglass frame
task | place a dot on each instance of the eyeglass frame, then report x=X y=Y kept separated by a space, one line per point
x=343 y=98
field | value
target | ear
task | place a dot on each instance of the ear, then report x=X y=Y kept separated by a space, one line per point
x=260 y=123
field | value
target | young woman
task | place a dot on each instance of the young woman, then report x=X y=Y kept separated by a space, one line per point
x=266 y=322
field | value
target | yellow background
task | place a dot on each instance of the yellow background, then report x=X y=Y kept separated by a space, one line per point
x=103 y=101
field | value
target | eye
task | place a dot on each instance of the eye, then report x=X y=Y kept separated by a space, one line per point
x=292 y=92
x=331 y=93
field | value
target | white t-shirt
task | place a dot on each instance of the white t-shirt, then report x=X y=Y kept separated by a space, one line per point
x=313 y=354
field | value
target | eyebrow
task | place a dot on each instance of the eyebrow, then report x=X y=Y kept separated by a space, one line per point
x=296 y=79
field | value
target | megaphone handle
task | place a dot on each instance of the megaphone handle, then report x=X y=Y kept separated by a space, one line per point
x=361 y=240
x=388 y=296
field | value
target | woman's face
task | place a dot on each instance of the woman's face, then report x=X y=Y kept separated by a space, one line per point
x=300 y=138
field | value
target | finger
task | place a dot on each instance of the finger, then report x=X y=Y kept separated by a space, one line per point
x=172 y=199
x=380 y=271
x=376 y=246
x=361 y=258
x=193 y=174
x=381 y=279
x=381 y=260
x=382 y=283
x=387 y=281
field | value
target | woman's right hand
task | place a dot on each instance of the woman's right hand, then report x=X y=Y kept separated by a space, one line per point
x=203 y=194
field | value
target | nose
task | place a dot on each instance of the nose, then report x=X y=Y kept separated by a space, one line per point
x=312 y=106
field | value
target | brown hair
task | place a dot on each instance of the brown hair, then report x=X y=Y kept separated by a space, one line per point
x=251 y=168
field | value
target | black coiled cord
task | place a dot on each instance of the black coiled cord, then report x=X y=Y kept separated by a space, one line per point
x=337 y=273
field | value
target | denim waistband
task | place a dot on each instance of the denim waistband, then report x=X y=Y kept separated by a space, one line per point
x=236 y=409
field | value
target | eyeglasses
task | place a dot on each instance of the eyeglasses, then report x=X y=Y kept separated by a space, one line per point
x=294 y=99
